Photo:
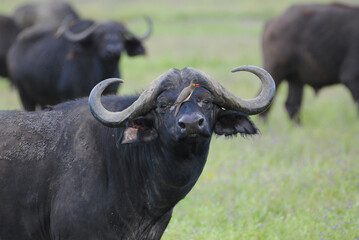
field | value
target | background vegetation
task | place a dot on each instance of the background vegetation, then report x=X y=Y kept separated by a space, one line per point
x=289 y=182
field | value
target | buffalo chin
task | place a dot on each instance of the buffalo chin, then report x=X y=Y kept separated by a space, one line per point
x=193 y=138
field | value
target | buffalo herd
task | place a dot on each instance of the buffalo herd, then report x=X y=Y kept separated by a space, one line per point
x=88 y=166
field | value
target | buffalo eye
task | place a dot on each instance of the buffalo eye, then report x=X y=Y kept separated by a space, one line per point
x=205 y=103
x=163 y=107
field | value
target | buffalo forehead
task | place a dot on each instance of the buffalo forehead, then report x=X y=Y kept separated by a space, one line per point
x=176 y=80
x=173 y=92
x=111 y=26
x=180 y=79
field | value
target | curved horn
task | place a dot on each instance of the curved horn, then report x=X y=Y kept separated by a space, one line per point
x=76 y=37
x=65 y=22
x=229 y=101
x=149 y=30
x=145 y=102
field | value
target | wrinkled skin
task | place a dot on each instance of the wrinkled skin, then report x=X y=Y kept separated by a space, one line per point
x=315 y=45
x=64 y=175
x=48 y=69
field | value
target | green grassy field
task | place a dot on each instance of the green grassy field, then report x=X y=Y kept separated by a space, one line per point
x=289 y=182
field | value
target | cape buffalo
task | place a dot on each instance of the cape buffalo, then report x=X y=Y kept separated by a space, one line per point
x=44 y=15
x=316 y=45
x=65 y=174
x=8 y=33
x=52 y=66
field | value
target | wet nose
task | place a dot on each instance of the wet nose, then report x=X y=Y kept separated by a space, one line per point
x=192 y=123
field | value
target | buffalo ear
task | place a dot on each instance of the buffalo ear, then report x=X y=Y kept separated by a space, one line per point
x=231 y=123
x=139 y=130
x=134 y=47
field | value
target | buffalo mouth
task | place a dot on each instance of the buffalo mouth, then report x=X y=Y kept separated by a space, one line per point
x=193 y=137
x=111 y=54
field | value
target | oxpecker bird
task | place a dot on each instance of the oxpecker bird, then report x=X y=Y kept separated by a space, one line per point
x=184 y=96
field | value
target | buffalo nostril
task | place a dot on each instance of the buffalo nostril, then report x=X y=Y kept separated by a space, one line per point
x=200 y=122
x=191 y=123
x=182 y=125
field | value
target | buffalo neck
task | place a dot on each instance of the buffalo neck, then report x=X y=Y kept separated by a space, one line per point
x=158 y=173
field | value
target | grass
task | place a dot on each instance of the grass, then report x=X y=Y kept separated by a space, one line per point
x=289 y=182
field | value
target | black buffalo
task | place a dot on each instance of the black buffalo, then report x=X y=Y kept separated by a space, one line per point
x=52 y=66
x=65 y=174
x=43 y=15
x=8 y=32
x=316 y=45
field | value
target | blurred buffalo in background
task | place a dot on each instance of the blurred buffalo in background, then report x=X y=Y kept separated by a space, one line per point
x=44 y=15
x=52 y=66
x=8 y=33
x=316 y=45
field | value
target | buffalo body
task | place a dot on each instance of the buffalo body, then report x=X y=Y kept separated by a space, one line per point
x=65 y=175
x=315 y=45
x=52 y=66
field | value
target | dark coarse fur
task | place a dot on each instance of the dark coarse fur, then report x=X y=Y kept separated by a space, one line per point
x=64 y=175
x=49 y=69
x=8 y=33
x=316 y=45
